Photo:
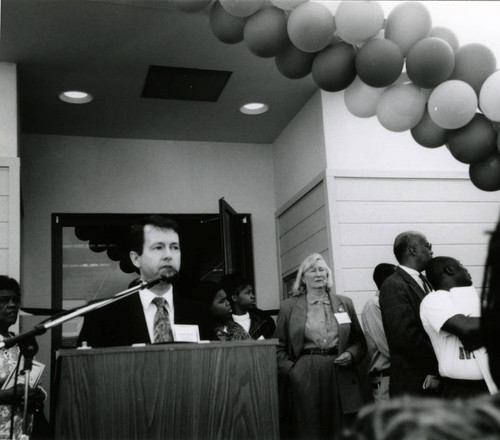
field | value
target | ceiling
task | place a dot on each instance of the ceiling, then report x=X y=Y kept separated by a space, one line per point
x=106 y=47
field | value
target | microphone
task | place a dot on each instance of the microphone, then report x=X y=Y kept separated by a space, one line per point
x=10 y=342
x=28 y=348
x=148 y=284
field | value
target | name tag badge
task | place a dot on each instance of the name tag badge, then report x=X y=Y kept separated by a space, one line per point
x=186 y=333
x=342 y=318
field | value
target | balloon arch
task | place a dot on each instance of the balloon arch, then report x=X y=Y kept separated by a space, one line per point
x=448 y=95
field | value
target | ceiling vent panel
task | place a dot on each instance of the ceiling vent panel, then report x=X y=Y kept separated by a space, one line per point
x=184 y=84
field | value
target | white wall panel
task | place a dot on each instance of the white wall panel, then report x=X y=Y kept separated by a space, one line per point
x=364 y=211
x=415 y=189
x=4 y=181
x=4 y=235
x=300 y=232
x=300 y=210
x=368 y=211
x=317 y=242
x=4 y=208
x=440 y=233
x=302 y=229
x=369 y=256
x=4 y=262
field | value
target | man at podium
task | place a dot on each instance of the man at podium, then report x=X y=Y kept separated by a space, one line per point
x=147 y=316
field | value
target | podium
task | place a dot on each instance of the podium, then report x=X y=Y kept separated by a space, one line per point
x=220 y=390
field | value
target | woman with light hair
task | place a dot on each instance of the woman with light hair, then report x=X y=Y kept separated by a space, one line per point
x=320 y=343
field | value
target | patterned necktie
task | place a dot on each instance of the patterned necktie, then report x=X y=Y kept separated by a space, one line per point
x=161 y=328
x=425 y=282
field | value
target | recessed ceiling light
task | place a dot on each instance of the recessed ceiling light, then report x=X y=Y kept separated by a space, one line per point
x=254 y=108
x=75 y=97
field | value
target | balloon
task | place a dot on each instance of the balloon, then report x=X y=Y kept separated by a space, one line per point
x=226 y=27
x=474 y=142
x=401 y=107
x=115 y=252
x=127 y=266
x=294 y=63
x=265 y=32
x=97 y=246
x=191 y=5
x=446 y=35
x=408 y=23
x=430 y=62
x=311 y=27
x=287 y=4
x=473 y=64
x=452 y=104
x=428 y=134
x=485 y=175
x=241 y=8
x=489 y=97
x=379 y=63
x=359 y=21
x=361 y=99
x=334 y=68
x=83 y=233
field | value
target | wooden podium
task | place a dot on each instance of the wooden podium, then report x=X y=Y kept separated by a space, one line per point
x=220 y=390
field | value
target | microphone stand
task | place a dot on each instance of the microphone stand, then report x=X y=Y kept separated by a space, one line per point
x=29 y=347
x=61 y=318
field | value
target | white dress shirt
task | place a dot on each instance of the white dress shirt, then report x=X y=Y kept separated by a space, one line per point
x=150 y=309
x=415 y=274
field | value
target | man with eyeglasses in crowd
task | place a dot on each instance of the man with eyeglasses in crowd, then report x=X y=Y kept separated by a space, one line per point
x=414 y=367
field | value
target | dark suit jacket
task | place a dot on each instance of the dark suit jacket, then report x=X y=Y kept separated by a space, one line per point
x=123 y=323
x=290 y=332
x=412 y=355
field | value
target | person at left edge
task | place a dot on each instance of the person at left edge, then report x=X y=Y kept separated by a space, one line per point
x=11 y=399
x=156 y=252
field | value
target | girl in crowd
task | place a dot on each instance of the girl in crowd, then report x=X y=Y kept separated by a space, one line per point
x=218 y=311
x=320 y=342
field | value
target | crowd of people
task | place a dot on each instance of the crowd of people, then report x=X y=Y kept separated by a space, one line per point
x=426 y=333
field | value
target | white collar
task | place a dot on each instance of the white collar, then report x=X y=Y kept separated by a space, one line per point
x=409 y=270
x=147 y=296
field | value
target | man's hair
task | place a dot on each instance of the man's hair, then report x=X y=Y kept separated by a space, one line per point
x=436 y=268
x=382 y=272
x=136 y=236
x=403 y=242
x=10 y=284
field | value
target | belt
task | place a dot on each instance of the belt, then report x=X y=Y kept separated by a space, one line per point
x=321 y=351
x=464 y=382
x=384 y=373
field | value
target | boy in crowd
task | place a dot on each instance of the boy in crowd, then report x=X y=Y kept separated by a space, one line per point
x=248 y=322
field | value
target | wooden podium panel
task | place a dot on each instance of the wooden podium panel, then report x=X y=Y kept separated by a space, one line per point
x=221 y=390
